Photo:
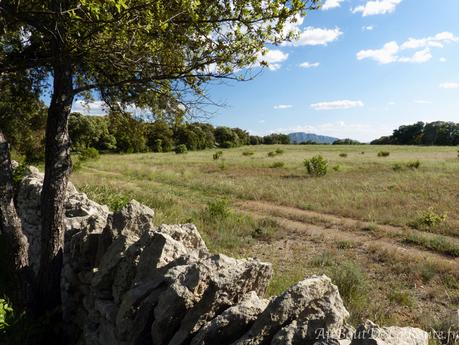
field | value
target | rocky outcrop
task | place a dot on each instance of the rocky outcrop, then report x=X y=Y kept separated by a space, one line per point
x=127 y=281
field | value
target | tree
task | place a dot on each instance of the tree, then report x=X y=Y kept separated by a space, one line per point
x=160 y=136
x=128 y=52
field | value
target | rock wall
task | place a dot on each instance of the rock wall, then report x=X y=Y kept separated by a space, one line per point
x=127 y=281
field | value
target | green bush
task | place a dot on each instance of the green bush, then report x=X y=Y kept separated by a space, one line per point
x=217 y=155
x=218 y=209
x=316 y=166
x=414 y=165
x=6 y=315
x=383 y=154
x=397 y=167
x=247 y=153
x=343 y=155
x=272 y=154
x=402 y=298
x=337 y=167
x=429 y=219
x=276 y=165
x=180 y=149
x=279 y=151
x=89 y=153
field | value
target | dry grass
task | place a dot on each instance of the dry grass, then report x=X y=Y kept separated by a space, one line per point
x=183 y=188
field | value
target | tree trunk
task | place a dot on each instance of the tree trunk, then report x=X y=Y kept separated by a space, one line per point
x=17 y=246
x=57 y=171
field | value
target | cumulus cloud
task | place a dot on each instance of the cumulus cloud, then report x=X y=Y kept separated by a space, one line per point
x=273 y=58
x=437 y=41
x=309 y=64
x=386 y=54
x=368 y=28
x=335 y=105
x=329 y=4
x=449 y=85
x=312 y=36
x=376 y=7
x=283 y=106
x=393 y=52
x=89 y=108
x=443 y=59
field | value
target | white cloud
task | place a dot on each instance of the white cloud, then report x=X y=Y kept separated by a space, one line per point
x=392 y=51
x=375 y=7
x=283 y=106
x=273 y=58
x=89 y=108
x=329 y=4
x=418 y=57
x=443 y=59
x=392 y=103
x=422 y=101
x=385 y=55
x=449 y=85
x=335 y=105
x=368 y=28
x=310 y=64
x=437 y=41
x=312 y=36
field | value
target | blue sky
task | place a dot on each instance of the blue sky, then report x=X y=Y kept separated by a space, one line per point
x=381 y=92
x=360 y=69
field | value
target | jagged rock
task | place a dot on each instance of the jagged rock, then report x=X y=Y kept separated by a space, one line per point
x=232 y=323
x=134 y=217
x=299 y=314
x=371 y=334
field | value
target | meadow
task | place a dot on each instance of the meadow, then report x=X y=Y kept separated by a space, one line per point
x=384 y=227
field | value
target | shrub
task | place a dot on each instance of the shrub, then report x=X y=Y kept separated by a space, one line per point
x=247 y=153
x=217 y=155
x=323 y=260
x=414 y=165
x=430 y=219
x=276 y=165
x=218 y=209
x=6 y=314
x=344 y=155
x=397 y=167
x=89 y=153
x=337 y=167
x=316 y=166
x=265 y=228
x=383 y=154
x=19 y=173
x=402 y=298
x=352 y=284
x=180 y=149
x=271 y=154
x=279 y=151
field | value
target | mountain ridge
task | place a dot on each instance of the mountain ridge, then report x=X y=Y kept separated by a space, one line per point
x=301 y=137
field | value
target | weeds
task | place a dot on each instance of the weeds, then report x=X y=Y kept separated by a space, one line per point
x=180 y=149
x=429 y=219
x=217 y=155
x=277 y=165
x=383 y=154
x=343 y=155
x=248 y=153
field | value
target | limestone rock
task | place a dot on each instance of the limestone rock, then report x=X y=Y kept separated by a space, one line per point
x=371 y=334
x=307 y=311
x=232 y=323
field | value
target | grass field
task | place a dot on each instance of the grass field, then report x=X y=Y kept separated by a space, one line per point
x=385 y=231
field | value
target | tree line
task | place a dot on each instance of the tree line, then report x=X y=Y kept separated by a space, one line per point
x=124 y=133
x=438 y=133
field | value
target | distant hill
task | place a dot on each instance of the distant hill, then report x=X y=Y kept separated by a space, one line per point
x=301 y=137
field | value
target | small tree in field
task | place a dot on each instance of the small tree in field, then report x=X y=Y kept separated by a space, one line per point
x=155 y=55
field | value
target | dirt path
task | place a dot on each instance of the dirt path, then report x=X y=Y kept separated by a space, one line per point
x=298 y=224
